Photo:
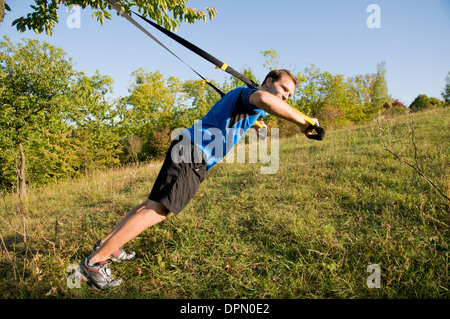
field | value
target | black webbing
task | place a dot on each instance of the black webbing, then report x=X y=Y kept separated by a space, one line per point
x=200 y=52
x=129 y=18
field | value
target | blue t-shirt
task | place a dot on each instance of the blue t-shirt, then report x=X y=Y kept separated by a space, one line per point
x=224 y=125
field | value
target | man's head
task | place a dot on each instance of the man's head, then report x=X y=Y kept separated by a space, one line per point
x=280 y=82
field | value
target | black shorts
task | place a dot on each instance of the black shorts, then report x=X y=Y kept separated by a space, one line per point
x=181 y=174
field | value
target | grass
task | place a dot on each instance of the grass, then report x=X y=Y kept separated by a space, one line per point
x=309 y=231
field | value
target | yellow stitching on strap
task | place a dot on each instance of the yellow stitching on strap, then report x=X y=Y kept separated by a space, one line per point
x=223 y=67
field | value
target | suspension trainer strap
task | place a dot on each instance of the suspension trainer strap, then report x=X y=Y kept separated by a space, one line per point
x=219 y=64
x=319 y=131
x=130 y=19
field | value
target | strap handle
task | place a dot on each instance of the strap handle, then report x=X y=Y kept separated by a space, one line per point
x=314 y=131
x=317 y=133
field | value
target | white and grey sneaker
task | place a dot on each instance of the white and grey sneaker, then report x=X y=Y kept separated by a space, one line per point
x=97 y=275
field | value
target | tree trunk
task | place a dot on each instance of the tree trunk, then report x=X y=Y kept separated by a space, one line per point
x=21 y=173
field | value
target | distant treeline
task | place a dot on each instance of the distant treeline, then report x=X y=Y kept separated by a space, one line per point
x=57 y=123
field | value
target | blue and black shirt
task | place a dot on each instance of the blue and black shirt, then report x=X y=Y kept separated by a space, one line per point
x=224 y=125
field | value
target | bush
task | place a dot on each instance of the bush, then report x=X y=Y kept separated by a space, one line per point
x=332 y=117
x=394 y=108
x=158 y=143
x=286 y=128
x=422 y=102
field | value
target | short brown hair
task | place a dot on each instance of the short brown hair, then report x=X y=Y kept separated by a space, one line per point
x=279 y=73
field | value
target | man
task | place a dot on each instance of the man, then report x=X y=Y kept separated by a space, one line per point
x=190 y=156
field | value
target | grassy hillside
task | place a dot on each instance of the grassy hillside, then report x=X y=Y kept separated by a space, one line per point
x=309 y=231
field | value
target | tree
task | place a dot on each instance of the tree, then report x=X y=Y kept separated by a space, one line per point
x=339 y=103
x=446 y=93
x=152 y=110
x=44 y=15
x=379 y=95
x=95 y=123
x=360 y=89
x=272 y=59
x=35 y=78
x=313 y=90
x=422 y=102
x=200 y=98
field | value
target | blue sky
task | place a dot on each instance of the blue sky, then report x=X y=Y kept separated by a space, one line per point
x=413 y=40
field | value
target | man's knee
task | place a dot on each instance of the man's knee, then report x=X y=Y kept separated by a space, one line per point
x=154 y=212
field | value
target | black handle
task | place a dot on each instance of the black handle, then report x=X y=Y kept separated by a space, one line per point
x=318 y=134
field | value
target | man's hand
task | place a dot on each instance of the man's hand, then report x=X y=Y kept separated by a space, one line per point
x=259 y=125
x=314 y=131
x=261 y=129
x=309 y=130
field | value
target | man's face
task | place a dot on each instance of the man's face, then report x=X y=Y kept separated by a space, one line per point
x=283 y=88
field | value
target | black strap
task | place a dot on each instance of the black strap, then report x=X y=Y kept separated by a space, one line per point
x=129 y=18
x=225 y=67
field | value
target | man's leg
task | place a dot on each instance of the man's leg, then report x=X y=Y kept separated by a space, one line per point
x=124 y=219
x=135 y=222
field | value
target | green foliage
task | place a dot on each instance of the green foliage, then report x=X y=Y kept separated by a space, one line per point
x=75 y=128
x=200 y=98
x=3 y=7
x=422 y=102
x=94 y=123
x=379 y=94
x=51 y=156
x=360 y=89
x=312 y=92
x=61 y=118
x=419 y=103
x=8 y=168
x=35 y=80
x=154 y=104
x=272 y=59
x=335 y=99
x=394 y=108
x=44 y=15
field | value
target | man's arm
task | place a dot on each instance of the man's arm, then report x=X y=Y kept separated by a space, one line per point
x=276 y=106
